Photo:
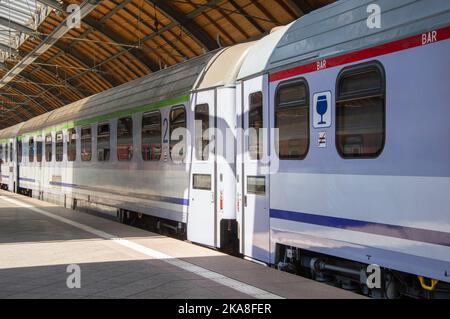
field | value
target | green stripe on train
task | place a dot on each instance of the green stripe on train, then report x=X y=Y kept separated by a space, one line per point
x=109 y=116
x=144 y=108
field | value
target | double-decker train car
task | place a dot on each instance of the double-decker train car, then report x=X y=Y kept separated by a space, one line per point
x=319 y=148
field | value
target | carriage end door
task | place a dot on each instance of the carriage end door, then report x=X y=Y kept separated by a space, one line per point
x=255 y=181
x=202 y=204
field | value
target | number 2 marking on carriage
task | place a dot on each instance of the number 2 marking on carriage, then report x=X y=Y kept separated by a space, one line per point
x=166 y=127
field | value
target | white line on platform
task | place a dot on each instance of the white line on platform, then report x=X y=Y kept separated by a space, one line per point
x=205 y=273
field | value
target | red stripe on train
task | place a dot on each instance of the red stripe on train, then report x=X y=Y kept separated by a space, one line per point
x=396 y=46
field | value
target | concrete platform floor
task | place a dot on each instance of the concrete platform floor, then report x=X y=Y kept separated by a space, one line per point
x=39 y=240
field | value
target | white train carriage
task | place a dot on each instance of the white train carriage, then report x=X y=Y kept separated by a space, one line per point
x=357 y=171
x=8 y=157
x=136 y=148
x=320 y=147
x=114 y=149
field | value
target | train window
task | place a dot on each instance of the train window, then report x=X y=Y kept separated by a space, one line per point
x=103 y=142
x=151 y=136
x=360 y=111
x=202 y=181
x=1 y=153
x=292 y=120
x=11 y=158
x=125 y=139
x=256 y=185
x=39 y=146
x=255 y=123
x=201 y=132
x=178 y=133
x=71 y=145
x=31 y=150
x=86 y=144
x=48 y=147
x=19 y=151
x=59 y=151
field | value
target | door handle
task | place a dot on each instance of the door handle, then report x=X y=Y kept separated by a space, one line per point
x=245 y=200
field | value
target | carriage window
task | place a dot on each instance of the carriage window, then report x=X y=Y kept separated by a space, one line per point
x=6 y=152
x=59 y=151
x=202 y=181
x=177 y=134
x=360 y=111
x=125 y=139
x=201 y=132
x=103 y=142
x=1 y=152
x=151 y=136
x=31 y=150
x=256 y=185
x=48 y=147
x=86 y=144
x=11 y=158
x=71 y=145
x=19 y=151
x=292 y=120
x=39 y=151
x=255 y=123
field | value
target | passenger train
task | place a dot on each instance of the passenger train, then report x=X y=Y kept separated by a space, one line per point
x=340 y=153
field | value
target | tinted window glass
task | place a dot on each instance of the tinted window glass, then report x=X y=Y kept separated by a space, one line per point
x=59 y=151
x=19 y=151
x=71 y=145
x=177 y=141
x=151 y=136
x=201 y=132
x=48 y=147
x=86 y=144
x=292 y=120
x=202 y=181
x=103 y=142
x=255 y=123
x=31 y=150
x=360 y=111
x=39 y=148
x=125 y=139
x=256 y=185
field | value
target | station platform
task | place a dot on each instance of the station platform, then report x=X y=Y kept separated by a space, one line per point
x=38 y=241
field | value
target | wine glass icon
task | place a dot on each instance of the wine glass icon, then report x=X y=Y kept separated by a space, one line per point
x=322 y=107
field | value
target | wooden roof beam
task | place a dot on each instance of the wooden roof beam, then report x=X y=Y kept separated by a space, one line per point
x=189 y=25
x=137 y=53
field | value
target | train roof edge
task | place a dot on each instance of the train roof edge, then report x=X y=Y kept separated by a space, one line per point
x=341 y=28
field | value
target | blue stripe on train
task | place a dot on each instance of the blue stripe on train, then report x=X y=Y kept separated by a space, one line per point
x=410 y=233
x=171 y=200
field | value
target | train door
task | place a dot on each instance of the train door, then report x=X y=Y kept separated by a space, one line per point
x=255 y=173
x=202 y=226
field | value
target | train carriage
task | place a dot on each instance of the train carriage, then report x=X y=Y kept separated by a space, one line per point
x=320 y=147
x=360 y=173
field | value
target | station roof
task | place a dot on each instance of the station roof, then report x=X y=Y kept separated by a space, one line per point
x=47 y=60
